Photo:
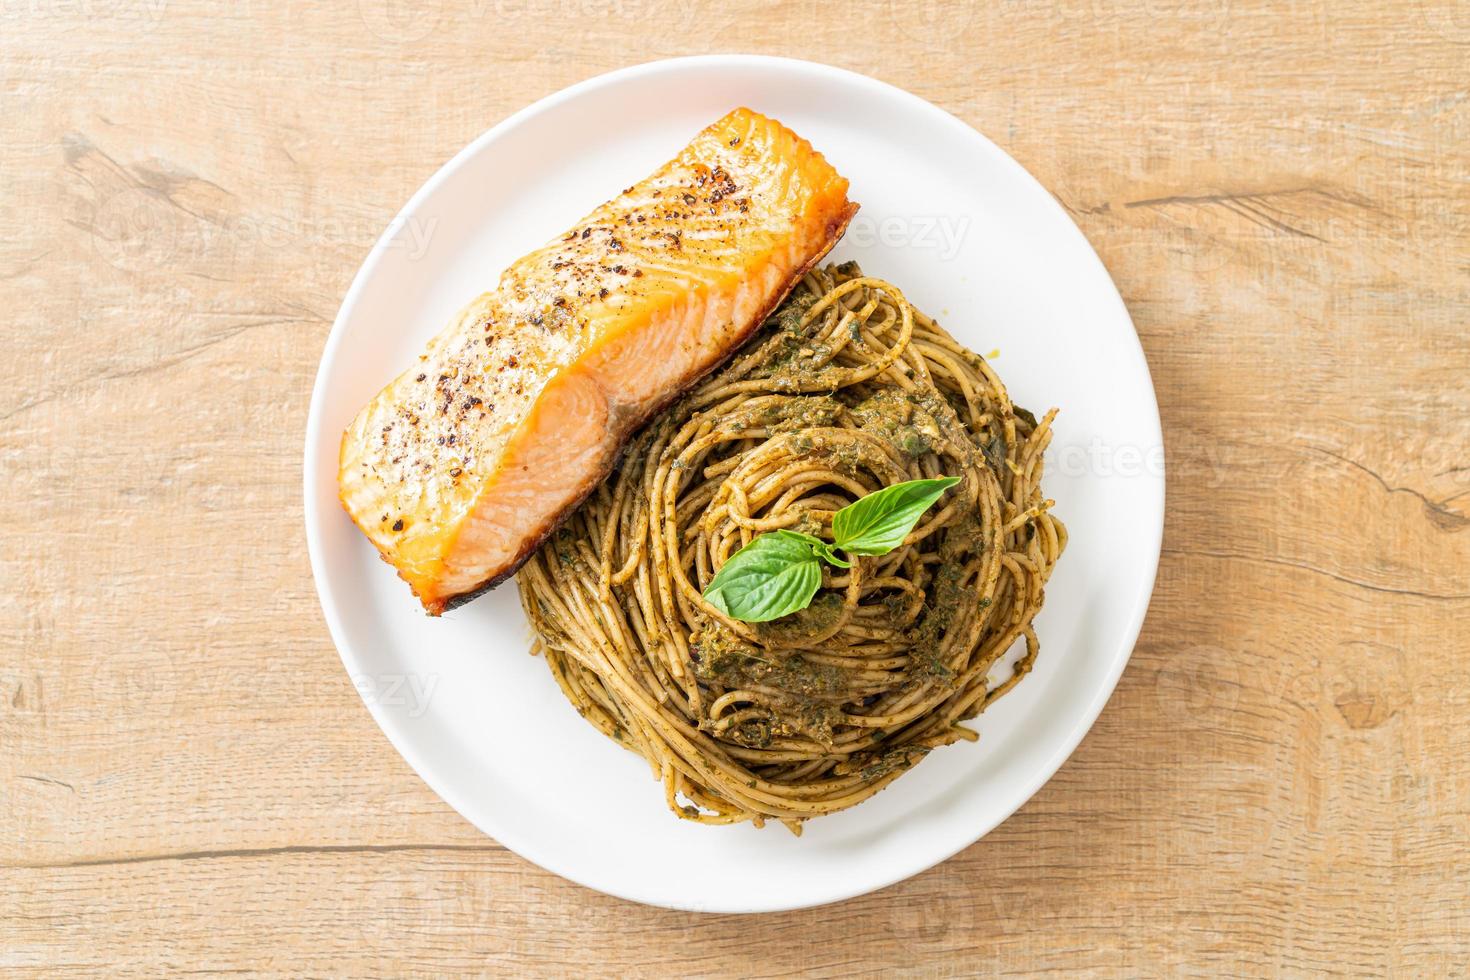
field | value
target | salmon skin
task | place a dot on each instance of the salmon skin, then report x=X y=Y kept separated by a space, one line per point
x=460 y=468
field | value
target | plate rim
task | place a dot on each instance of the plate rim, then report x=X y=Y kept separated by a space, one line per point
x=1155 y=483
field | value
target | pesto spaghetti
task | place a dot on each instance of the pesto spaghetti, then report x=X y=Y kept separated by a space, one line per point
x=846 y=390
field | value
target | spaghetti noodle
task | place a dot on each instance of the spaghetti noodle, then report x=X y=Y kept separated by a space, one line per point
x=845 y=390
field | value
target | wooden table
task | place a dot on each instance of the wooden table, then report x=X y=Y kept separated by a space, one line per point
x=1280 y=785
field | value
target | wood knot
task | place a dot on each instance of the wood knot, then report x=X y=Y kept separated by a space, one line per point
x=1363 y=710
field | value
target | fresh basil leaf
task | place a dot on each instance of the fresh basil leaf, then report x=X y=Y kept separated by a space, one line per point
x=773 y=576
x=827 y=553
x=823 y=549
x=809 y=539
x=879 y=522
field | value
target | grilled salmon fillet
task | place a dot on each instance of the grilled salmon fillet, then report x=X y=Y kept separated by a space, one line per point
x=464 y=464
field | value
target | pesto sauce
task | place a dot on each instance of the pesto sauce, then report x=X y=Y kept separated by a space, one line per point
x=900 y=420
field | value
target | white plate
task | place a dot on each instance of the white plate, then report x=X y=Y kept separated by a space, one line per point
x=971 y=238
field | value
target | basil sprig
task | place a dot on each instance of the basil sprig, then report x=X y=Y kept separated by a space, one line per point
x=779 y=572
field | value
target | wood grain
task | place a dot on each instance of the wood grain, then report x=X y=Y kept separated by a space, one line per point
x=1281 y=784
